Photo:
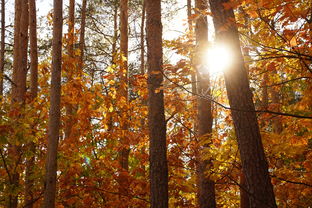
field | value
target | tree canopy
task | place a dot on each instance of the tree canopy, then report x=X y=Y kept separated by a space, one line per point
x=151 y=106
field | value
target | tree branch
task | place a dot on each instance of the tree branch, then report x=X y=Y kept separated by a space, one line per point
x=234 y=109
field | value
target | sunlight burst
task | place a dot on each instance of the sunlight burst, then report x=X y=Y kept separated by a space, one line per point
x=218 y=58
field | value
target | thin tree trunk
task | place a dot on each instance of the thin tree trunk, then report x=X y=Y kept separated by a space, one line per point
x=115 y=32
x=82 y=33
x=2 y=46
x=142 y=38
x=156 y=115
x=255 y=166
x=190 y=25
x=206 y=187
x=71 y=27
x=54 y=114
x=33 y=49
x=124 y=153
x=12 y=199
x=70 y=48
x=17 y=19
x=30 y=162
x=124 y=76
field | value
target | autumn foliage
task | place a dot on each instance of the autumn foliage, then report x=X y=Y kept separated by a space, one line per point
x=275 y=39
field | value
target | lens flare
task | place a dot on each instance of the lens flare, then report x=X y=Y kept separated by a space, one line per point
x=218 y=58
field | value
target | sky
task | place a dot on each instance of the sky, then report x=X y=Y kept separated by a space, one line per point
x=44 y=6
x=172 y=28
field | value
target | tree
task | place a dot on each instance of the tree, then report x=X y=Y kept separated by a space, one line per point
x=255 y=166
x=70 y=49
x=20 y=52
x=12 y=200
x=142 y=38
x=125 y=148
x=115 y=35
x=19 y=86
x=82 y=32
x=110 y=106
x=30 y=162
x=190 y=25
x=156 y=116
x=206 y=187
x=2 y=46
x=33 y=49
x=54 y=114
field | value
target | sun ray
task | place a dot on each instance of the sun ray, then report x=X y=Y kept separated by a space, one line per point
x=218 y=58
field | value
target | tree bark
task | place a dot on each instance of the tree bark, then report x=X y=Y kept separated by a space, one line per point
x=22 y=68
x=142 y=38
x=125 y=147
x=156 y=115
x=19 y=80
x=70 y=48
x=17 y=19
x=12 y=199
x=71 y=27
x=20 y=51
x=124 y=77
x=2 y=46
x=54 y=114
x=115 y=33
x=255 y=166
x=190 y=25
x=30 y=162
x=82 y=33
x=206 y=187
x=33 y=49
x=244 y=196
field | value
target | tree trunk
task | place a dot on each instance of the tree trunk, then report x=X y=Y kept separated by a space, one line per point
x=156 y=115
x=70 y=48
x=71 y=27
x=206 y=187
x=255 y=166
x=22 y=68
x=20 y=64
x=54 y=114
x=124 y=77
x=82 y=32
x=17 y=19
x=2 y=46
x=190 y=25
x=142 y=38
x=125 y=149
x=12 y=199
x=29 y=182
x=115 y=33
x=19 y=86
x=33 y=49
x=244 y=196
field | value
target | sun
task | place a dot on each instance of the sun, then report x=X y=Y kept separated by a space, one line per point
x=218 y=58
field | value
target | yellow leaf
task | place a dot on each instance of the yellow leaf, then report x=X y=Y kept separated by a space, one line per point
x=293 y=42
x=111 y=109
x=110 y=69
